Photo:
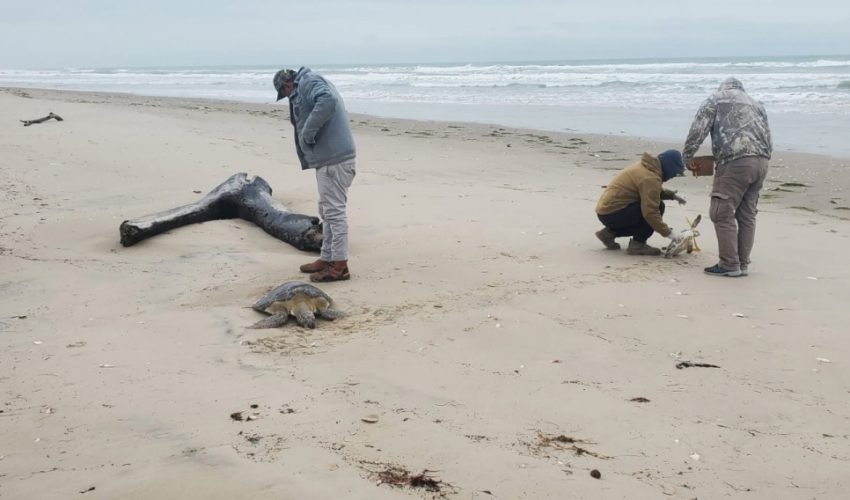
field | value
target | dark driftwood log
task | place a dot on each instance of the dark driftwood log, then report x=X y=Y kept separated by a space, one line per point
x=27 y=123
x=237 y=197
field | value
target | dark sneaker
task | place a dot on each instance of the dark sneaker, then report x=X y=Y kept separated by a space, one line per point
x=716 y=270
x=640 y=248
x=606 y=236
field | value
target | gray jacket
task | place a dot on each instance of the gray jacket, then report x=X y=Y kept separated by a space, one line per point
x=737 y=122
x=316 y=110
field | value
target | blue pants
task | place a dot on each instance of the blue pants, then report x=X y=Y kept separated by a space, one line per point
x=629 y=221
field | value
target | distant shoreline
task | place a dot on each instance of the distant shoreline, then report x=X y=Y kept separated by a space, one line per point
x=637 y=124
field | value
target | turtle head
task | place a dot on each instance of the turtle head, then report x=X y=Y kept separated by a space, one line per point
x=304 y=315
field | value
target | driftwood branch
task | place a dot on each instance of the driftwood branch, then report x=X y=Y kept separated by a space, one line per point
x=237 y=197
x=58 y=118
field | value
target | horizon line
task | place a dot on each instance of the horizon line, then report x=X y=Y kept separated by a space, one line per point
x=455 y=62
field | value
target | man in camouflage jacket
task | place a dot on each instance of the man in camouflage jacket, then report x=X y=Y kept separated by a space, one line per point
x=741 y=144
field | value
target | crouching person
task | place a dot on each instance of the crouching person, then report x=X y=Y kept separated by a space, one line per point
x=632 y=205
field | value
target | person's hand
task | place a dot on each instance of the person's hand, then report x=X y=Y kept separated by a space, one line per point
x=674 y=236
x=306 y=145
x=681 y=199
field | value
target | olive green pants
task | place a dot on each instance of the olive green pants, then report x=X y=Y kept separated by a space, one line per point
x=734 y=201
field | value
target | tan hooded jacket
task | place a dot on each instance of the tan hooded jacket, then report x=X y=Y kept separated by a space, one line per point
x=640 y=181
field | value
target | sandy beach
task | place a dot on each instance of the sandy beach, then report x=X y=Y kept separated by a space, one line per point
x=489 y=338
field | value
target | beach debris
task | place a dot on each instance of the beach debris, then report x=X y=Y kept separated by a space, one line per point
x=739 y=315
x=813 y=278
x=399 y=477
x=237 y=197
x=244 y=415
x=683 y=316
x=595 y=474
x=562 y=442
x=90 y=488
x=370 y=419
x=823 y=360
x=300 y=300
x=687 y=239
x=37 y=342
x=251 y=438
x=639 y=399
x=52 y=115
x=106 y=365
x=78 y=343
x=688 y=364
x=695 y=456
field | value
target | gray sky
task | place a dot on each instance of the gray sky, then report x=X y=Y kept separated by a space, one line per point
x=108 y=33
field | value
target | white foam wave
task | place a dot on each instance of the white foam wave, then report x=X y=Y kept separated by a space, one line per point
x=813 y=84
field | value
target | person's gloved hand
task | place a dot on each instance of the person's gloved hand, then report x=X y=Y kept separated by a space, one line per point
x=681 y=199
x=674 y=236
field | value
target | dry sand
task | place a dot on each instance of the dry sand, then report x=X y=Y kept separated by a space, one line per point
x=484 y=319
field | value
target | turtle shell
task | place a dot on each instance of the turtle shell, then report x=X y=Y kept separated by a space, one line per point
x=287 y=291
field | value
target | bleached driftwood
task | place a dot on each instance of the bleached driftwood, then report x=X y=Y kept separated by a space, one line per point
x=237 y=197
x=53 y=115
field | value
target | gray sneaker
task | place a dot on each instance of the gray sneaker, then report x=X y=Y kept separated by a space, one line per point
x=641 y=248
x=606 y=236
x=716 y=270
x=744 y=270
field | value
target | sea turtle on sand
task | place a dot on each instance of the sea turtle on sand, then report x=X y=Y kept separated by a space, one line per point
x=688 y=240
x=298 y=299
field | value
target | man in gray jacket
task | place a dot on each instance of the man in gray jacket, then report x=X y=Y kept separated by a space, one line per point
x=324 y=142
x=741 y=144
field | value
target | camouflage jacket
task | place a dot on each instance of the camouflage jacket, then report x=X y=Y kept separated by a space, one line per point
x=737 y=123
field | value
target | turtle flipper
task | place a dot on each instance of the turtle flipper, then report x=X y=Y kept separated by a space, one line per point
x=695 y=222
x=272 y=321
x=330 y=314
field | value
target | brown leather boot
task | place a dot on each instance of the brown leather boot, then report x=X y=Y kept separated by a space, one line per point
x=336 y=271
x=315 y=267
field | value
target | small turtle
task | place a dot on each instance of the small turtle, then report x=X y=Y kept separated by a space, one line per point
x=688 y=240
x=295 y=298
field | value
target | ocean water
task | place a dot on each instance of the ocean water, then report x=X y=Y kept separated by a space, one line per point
x=807 y=98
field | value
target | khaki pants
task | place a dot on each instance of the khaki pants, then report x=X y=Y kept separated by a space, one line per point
x=333 y=182
x=734 y=198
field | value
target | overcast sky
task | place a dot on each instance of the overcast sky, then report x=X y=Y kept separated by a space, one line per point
x=110 y=33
